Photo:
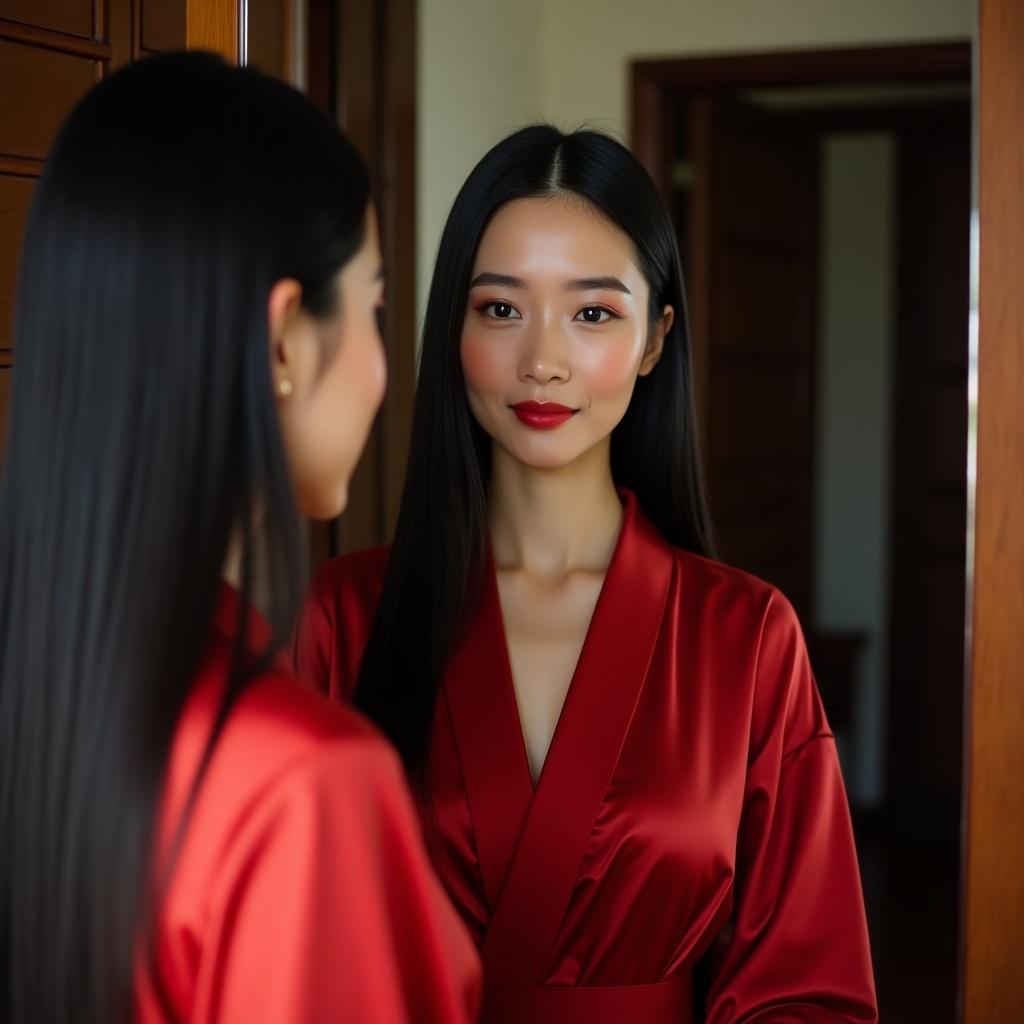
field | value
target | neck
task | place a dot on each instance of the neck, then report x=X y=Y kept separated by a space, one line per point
x=554 y=521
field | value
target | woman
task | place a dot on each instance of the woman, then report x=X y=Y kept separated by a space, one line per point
x=190 y=835
x=621 y=755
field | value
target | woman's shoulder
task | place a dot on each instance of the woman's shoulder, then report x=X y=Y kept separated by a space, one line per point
x=337 y=619
x=734 y=594
x=354 y=575
x=297 y=722
x=753 y=629
x=277 y=730
x=289 y=776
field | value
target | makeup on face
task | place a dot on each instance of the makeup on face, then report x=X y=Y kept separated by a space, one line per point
x=543 y=415
x=554 y=331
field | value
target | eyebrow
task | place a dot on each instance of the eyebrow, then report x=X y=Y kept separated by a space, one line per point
x=581 y=284
x=505 y=280
x=586 y=284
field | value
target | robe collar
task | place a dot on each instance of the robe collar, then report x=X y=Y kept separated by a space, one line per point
x=531 y=842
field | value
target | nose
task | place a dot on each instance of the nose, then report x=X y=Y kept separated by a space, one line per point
x=545 y=356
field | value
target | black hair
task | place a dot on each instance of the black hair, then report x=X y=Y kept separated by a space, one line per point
x=437 y=558
x=143 y=442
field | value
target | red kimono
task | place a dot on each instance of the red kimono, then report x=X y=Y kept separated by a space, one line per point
x=302 y=892
x=691 y=800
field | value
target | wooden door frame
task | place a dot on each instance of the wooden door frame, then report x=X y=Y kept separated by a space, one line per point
x=993 y=890
x=659 y=85
x=656 y=84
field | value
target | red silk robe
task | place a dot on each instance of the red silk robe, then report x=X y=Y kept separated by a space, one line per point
x=691 y=798
x=302 y=893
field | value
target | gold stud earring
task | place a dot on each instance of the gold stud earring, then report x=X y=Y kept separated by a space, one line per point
x=284 y=388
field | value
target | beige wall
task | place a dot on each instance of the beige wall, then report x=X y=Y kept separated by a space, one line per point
x=489 y=66
x=479 y=76
x=587 y=44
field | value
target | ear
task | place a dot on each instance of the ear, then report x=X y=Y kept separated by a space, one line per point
x=656 y=341
x=283 y=307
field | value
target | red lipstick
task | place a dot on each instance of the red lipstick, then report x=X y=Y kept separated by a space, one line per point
x=542 y=415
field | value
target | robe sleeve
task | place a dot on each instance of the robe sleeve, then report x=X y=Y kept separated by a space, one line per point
x=323 y=907
x=798 y=950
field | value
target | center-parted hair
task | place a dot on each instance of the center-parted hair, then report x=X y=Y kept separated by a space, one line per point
x=437 y=559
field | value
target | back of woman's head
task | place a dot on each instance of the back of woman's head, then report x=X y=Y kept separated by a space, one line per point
x=441 y=530
x=143 y=442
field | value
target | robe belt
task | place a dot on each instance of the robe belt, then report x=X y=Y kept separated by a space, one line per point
x=664 y=1002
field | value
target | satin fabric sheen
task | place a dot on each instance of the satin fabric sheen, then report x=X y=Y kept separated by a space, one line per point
x=691 y=804
x=302 y=892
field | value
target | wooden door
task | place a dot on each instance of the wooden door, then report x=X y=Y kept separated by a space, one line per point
x=754 y=315
x=993 y=943
x=51 y=52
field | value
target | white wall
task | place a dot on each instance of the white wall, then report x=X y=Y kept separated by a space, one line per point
x=486 y=67
x=854 y=427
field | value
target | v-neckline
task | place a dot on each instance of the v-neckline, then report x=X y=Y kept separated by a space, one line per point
x=507 y=679
x=530 y=842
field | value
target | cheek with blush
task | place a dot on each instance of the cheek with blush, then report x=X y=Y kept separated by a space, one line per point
x=484 y=365
x=611 y=369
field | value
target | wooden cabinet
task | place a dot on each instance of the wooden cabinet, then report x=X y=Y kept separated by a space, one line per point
x=51 y=52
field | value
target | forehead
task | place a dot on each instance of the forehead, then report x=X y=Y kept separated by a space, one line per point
x=552 y=235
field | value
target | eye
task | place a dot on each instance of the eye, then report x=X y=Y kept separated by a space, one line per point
x=501 y=311
x=595 y=315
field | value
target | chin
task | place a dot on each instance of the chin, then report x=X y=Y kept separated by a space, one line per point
x=544 y=456
x=326 y=507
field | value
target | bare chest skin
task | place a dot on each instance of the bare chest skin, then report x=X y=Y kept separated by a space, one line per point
x=546 y=623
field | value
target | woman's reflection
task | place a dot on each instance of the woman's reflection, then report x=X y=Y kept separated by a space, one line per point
x=621 y=754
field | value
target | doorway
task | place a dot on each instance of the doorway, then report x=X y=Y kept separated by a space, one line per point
x=822 y=202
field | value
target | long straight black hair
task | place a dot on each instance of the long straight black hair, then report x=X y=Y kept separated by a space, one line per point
x=436 y=561
x=143 y=438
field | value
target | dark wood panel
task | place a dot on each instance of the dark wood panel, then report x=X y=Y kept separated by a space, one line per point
x=761 y=255
x=269 y=36
x=321 y=54
x=946 y=525
x=943 y=614
x=50 y=84
x=15 y=196
x=73 y=17
x=935 y=61
x=163 y=25
x=929 y=468
x=398 y=219
x=749 y=485
x=5 y=404
x=994 y=940
x=946 y=423
x=757 y=411
x=359 y=112
x=767 y=280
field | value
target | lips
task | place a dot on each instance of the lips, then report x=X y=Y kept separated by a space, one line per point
x=542 y=415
